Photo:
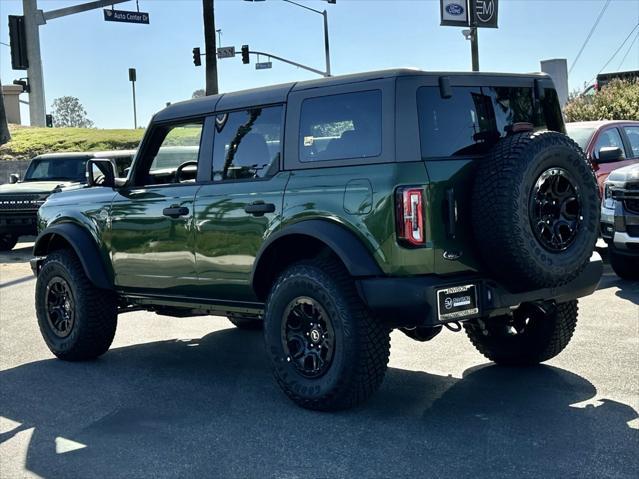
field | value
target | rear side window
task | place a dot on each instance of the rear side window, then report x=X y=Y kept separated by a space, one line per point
x=339 y=127
x=475 y=118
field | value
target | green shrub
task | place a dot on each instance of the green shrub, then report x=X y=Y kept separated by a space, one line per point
x=26 y=142
x=618 y=100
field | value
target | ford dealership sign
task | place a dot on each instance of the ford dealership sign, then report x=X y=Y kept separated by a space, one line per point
x=454 y=13
x=469 y=13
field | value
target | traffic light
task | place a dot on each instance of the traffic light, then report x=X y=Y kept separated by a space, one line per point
x=197 y=57
x=18 y=42
x=49 y=121
x=245 y=54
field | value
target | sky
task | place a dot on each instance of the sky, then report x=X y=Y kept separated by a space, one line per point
x=86 y=57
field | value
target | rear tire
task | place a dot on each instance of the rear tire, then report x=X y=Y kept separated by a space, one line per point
x=535 y=210
x=526 y=337
x=7 y=242
x=625 y=266
x=326 y=350
x=76 y=319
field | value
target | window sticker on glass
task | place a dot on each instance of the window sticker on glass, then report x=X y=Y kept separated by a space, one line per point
x=308 y=141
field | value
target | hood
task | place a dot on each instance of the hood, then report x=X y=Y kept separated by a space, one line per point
x=34 y=187
x=627 y=173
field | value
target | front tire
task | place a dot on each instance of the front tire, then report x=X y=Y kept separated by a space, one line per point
x=528 y=336
x=326 y=351
x=8 y=241
x=76 y=319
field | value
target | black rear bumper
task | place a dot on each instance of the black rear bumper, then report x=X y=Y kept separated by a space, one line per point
x=412 y=301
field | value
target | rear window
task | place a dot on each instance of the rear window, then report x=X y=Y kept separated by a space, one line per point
x=339 y=127
x=475 y=118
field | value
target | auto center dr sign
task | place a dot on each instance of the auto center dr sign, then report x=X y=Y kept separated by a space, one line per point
x=469 y=13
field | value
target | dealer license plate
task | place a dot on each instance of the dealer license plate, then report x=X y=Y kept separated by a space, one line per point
x=457 y=302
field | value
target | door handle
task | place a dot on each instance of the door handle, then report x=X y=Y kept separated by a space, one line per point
x=259 y=208
x=175 y=211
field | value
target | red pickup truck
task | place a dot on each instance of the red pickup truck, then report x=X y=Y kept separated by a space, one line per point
x=608 y=144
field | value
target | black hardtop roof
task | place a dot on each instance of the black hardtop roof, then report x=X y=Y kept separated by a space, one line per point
x=278 y=93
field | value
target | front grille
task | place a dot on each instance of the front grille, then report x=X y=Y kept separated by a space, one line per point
x=633 y=230
x=632 y=205
x=632 y=186
x=21 y=202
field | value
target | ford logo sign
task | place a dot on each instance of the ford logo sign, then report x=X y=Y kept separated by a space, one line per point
x=454 y=9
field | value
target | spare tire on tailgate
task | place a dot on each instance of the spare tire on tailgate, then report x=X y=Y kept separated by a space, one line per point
x=535 y=210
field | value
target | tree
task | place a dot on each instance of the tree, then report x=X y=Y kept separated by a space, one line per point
x=198 y=93
x=618 y=100
x=5 y=136
x=68 y=112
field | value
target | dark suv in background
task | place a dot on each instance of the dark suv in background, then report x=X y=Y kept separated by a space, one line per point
x=329 y=212
x=20 y=200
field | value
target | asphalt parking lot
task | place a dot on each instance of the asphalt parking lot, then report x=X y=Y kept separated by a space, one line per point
x=194 y=397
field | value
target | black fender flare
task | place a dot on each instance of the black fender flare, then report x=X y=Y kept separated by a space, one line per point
x=84 y=247
x=356 y=257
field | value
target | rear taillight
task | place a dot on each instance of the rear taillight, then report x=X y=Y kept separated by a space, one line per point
x=410 y=215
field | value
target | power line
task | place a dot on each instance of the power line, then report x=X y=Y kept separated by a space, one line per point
x=592 y=30
x=627 y=52
x=619 y=49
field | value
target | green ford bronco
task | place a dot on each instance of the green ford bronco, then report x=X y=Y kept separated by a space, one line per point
x=330 y=212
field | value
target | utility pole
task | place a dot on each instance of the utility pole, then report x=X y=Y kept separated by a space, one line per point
x=37 y=106
x=210 y=50
x=474 y=48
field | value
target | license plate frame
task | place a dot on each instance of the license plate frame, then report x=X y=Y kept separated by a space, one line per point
x=457 y=302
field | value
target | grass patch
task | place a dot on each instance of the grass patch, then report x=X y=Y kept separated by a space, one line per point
x=26 y=142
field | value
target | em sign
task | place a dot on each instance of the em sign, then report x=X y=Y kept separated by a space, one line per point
x=469 y=13
x=125 y=16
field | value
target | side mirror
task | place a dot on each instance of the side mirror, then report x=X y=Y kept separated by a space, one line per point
x=101 y=172
x=610 y=154
x=14 y=178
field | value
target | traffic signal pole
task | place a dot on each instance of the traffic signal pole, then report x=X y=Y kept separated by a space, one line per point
x=33 y=18
x=37 y=106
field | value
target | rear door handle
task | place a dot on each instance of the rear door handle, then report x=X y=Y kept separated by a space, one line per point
x=259 y=208
x=175 y=211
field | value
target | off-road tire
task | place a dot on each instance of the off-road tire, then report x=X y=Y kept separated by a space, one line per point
x=248 y=323
x=95 y=310
x=501 y=219
x=544 y=337
x=362 y=344
x=624 y=266
x=7 y=242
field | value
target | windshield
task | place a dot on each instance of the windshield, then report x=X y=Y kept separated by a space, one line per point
x=58 y=169
x=581 y=135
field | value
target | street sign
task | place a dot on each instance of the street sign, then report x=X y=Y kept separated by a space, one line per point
x=226 y=52
x=263 y=65
x=483 y=13
x=125 y=16
x=454 y=13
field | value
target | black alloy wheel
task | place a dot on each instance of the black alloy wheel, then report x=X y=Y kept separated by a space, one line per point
x=60 y=307
x=555 y=209
x=308 y=338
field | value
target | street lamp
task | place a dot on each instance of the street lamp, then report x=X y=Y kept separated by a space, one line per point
x=324 y=14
